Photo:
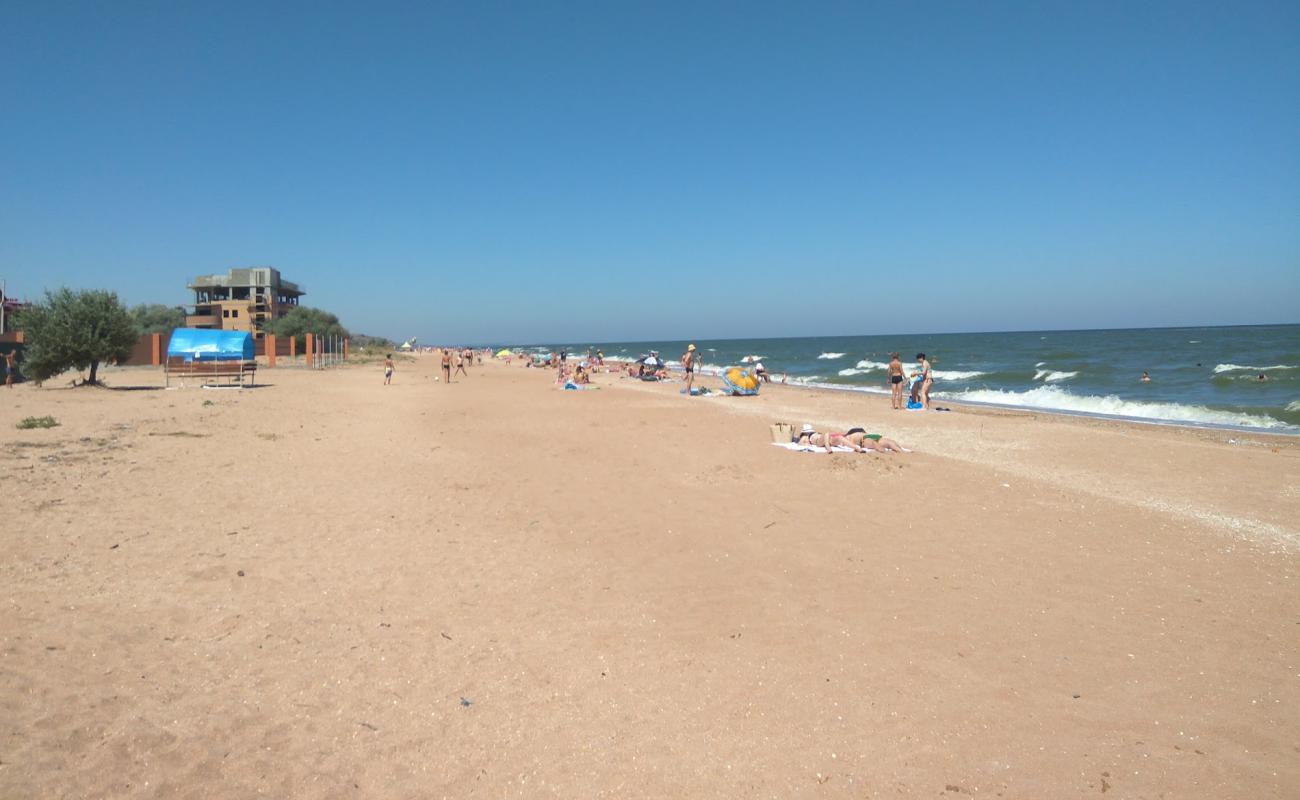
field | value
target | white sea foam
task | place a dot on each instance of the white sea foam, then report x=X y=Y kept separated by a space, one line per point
x=1053 y=375
x=751 y=359
x=1238 y=368
x=954 y=374
x=831 y=356
x=1040 y=364
x=1057 y=399
x=867 y=366
x=1293 y=406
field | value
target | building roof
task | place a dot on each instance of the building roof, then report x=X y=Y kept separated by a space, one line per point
x=248 y=276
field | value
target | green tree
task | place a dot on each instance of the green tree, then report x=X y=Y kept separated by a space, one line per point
x=75 y=330
x=156 y=318
x=304 y=320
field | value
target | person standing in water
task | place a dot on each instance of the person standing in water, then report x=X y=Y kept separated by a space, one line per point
x=388 y=369
x=446 y=366
x=1146 y=377
x=688 y=363
x=895 y=377
x=927 y=380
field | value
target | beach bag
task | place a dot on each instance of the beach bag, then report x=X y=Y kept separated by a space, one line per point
x=782 y=432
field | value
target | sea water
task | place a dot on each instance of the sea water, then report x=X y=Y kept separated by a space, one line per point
x=1199 y=376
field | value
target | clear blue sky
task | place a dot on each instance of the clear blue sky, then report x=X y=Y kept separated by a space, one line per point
x=611 y=170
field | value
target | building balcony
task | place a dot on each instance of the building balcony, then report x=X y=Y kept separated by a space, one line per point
x=203 y=321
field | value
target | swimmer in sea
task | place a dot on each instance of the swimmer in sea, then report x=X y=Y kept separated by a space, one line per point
x=1146 y=378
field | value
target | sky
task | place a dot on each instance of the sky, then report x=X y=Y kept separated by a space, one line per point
x=552 y=171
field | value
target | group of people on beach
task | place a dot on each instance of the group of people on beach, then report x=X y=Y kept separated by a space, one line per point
x=921 y=382
x=855 y=439
x=449 y=357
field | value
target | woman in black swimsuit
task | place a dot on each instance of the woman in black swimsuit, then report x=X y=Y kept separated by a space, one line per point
x=896 y=382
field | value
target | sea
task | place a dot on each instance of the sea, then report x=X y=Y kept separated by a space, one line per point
x=1208 y=377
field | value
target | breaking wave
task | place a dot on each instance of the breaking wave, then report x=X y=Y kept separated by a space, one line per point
x=1238 y=368
x=955 y=374
x=831 y=356
x=1053 y=398
x=1053 y=375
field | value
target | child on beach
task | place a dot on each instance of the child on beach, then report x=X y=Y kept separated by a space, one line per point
x=388 y=369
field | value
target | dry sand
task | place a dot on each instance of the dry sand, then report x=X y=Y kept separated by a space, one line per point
x=328 y=588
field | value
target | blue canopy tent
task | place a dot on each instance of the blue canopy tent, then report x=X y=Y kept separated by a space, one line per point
x=198 y=344
x=210 y=354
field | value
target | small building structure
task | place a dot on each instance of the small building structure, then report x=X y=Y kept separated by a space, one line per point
x=243 y=299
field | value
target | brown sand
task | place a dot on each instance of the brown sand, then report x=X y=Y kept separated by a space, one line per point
x=288 y=592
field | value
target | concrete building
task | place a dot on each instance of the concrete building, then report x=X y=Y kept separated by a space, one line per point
x=242 y=299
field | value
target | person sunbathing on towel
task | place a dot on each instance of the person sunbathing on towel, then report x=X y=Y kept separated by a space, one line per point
x=859 y=438
x=809 y=437
x=856 y=439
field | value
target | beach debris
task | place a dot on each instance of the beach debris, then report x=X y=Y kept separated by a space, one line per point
x=368 y=725
x=466 y=702
x=445 y=636
x=240 y=573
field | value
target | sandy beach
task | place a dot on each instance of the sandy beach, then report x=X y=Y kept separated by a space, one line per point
x=324 y=588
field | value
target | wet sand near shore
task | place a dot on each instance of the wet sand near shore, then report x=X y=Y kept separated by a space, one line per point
x=325 y=588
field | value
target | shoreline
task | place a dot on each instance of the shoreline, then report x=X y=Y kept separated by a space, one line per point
x=1287 y=430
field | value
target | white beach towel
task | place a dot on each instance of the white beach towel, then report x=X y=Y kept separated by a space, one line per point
x=807 y=448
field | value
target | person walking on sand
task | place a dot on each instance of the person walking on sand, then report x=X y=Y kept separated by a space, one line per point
x=11 y=367
x=388 y=369
x=446 y=366
x=895 y=375
x=688 y=363
x=460 y=364
x=927 y=380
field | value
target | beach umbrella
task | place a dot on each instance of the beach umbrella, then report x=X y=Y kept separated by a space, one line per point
x=740 y=382
x=503 y=353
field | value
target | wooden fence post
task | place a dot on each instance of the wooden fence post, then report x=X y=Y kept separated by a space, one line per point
x=293 y=348
x=270 y=349
x=311 y=349
x=345 y=349
x=155 y=350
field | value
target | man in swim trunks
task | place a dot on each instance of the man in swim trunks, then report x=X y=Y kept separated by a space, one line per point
x=460 y=364
x=446 y=366
x=895 y=374
x=388 y=369
x=688 y=363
